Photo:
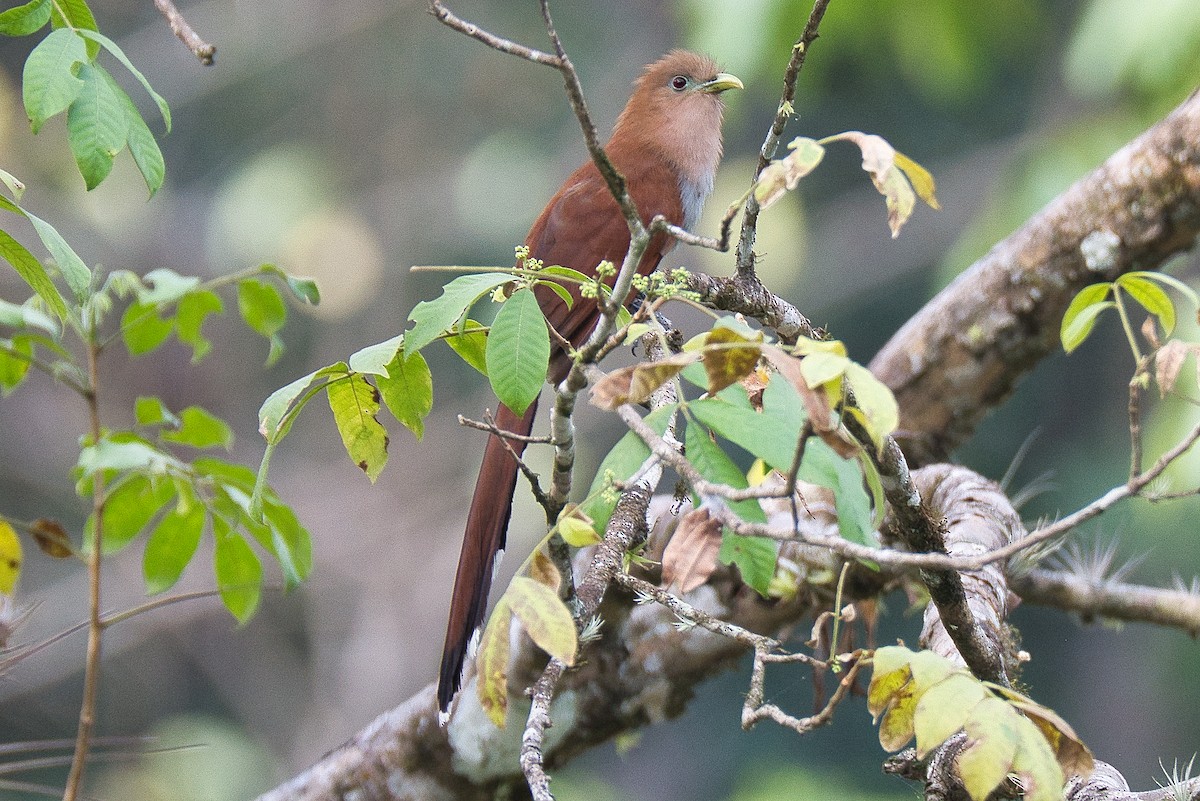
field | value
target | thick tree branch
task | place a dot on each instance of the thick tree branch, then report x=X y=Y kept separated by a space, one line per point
x=962 y=354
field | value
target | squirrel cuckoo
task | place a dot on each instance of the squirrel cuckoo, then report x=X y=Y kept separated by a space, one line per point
x=666 y=143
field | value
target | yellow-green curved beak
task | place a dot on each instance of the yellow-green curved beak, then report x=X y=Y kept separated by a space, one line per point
x=720 y=83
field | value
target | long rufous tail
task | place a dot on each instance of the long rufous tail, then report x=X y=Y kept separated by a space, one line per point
x=487 y=523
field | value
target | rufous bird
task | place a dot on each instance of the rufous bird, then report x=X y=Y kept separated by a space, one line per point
x=667 y=143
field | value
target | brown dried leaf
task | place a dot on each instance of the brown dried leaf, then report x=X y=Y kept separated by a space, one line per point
x=783 y=175
x=691 y=556
x=1168 y=362
x=51 y=537
x=636 y=384
x=543 y=570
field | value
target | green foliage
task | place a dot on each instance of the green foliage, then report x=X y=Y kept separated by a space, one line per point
x=150 y=480
x=62 y=74
x=1146 y=288
x=925 y=695
x=518 y=351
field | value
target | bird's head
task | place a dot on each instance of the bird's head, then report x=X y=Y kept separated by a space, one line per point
x=676 y=110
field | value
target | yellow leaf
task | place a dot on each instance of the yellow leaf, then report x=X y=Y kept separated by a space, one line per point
x=10 y=558
x=921 y=179
x=729 y=357
x=492 y=663
x=576 y=532
x=544 y=617
x=1036 y=768
x=992 y=728
x=944 y=708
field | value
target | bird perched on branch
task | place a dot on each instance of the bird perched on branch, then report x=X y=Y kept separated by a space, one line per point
x=666 y=143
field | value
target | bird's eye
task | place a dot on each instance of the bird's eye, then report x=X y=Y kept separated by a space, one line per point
x=679 y=83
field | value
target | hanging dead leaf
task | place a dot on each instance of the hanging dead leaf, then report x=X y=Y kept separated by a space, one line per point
x=691 y=556
x=898 y=178
x=781 y=176
x=1168 y=363
x=51 y=538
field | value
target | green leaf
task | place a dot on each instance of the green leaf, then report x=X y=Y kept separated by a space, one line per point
x=819 y=368
x=714 y=465
x=143 y=147
x=875 y=405
x=26 y=19
x=355 y=403
x=152 y=411
x=544 y=617
x=128 y=509
x=822 y=466
x=201 y=429
x=374 y=359
x=110 y=454
x=305 y=289
x=769 y=437
x=1165 y=280
x=172 y=545
x=74 y=14
x=49 y=84
x=1151 y=297
x=625 y=458
x=407 y=389
x=193 y=309
x=432 y=317
x=142 y=329
x=77 y=274
x=470 y=343
x=14 y=184
x=27 y=316
x=755 y=558
x=96 y=126
x=273 y=419
x=14 y=368
x=518 y=351
x=291 y=542
x=94 y=35
x=239 y=572
x=263 y=310
x=1081 y=314
x=33 y=273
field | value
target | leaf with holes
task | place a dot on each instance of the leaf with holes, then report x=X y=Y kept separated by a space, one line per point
x=355 y=403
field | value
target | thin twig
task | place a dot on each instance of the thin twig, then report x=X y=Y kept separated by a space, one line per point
x=745 y=249
x=450 y=20
x=179 y=26
x=1135 y=419
x=492 y=428
x=91 y=674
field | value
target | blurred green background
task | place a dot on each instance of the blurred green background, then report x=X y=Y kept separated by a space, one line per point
x=349 y=141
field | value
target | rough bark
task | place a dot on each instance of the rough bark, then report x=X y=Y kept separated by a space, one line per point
x=964 y=352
